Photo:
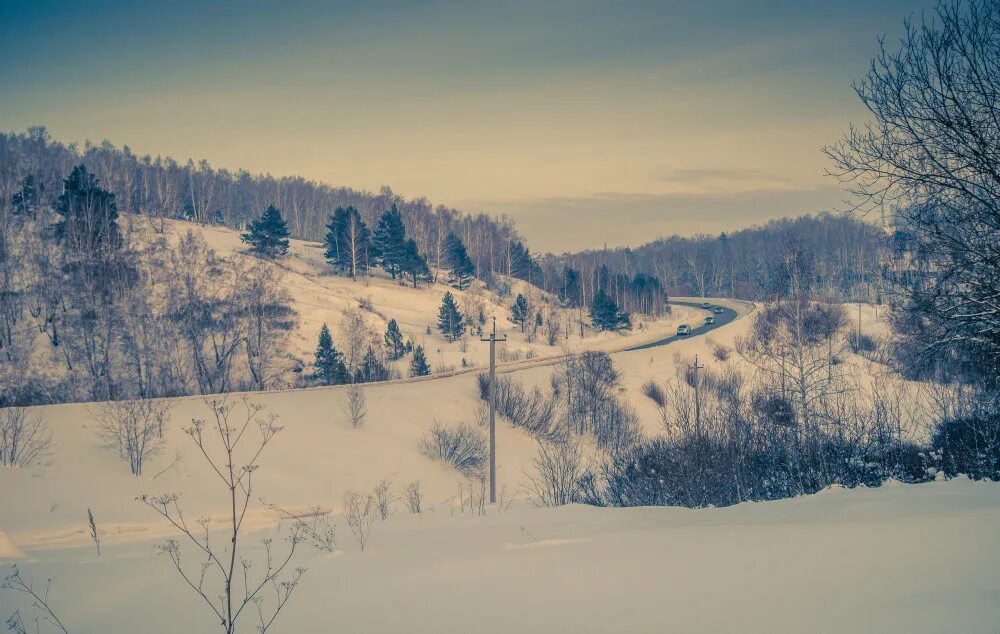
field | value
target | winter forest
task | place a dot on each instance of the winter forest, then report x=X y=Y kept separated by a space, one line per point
x=238 y=402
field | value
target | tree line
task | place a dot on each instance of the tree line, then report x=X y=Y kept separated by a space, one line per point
x=161 y=187
x=848 y=256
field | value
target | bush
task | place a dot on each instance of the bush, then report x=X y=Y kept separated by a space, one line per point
x=533 y=411
x=654 y=391
x=135 y=429
x=558 y=471
x=969 y=446
x=720 y=351
x=462 y=445
x=24 y=438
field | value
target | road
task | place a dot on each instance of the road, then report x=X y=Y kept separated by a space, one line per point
x=699 y=328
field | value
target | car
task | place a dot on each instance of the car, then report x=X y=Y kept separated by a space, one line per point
x=706 y=305
x=717 y=310
x=683 y=329
x=709 y=320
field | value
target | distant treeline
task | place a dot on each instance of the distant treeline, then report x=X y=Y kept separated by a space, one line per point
x=844 y=258
x=162 y=187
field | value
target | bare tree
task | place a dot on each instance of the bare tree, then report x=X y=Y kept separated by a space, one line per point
x=414 y=499
x=356 y=405
x=929 y=155
x=360 y=513
x=134 y=428
x=24 y=438
x=354 y=338
x=383 y=499
x=558 y=467
x=235 y=467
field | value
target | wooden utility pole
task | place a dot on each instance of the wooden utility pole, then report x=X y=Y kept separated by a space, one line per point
x=493 y=408
x=697 y=396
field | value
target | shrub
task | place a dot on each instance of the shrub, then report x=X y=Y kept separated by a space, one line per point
x=135 y=429
x=970 y=446
x=654 y=391
x=558 y=470
x=461 y=445
x=720 y=351
x=24 y=438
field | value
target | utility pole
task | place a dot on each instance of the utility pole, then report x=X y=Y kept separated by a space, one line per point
x=493 y=408
x=697 y=396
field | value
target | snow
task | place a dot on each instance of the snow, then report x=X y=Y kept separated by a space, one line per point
x=906 y=558
x=918 y=558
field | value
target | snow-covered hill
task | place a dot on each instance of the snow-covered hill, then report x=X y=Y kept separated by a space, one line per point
x=900 y=558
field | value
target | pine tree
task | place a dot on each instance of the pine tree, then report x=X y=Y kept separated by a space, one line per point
x=27 y=200
x=414 y=264
x=459 y=262
x=329 y=364
x=348 y=242
x=519 y=311
x=390 y=241
x=394 y=341
x=450 y=321
x=371 y=369
x=605 y=315
x=268 y=236
x=418 y=364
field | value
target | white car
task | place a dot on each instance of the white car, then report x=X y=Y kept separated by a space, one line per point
x=717 y=310
x=706 y=305
x=683 y=329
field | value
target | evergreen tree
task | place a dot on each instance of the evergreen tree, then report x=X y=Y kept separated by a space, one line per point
x=450 y=321
x=390 y=241
x=605 y=315
x=418 y=364
x=371 y=369
x=569 y=290
x=268 y=236
x=459 y=262
x=348 y=242
x=394 y=341
x=414 y=264
x=329 y=364
x=519 y=311
x=27 y=200
x=88 y=223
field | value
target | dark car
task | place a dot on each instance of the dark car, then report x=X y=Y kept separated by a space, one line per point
x=709 y=320
x=706 y=305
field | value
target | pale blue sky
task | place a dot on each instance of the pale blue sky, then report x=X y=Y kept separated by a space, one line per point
x=669 y=116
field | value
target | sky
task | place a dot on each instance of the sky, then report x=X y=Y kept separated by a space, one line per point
x=589 y=123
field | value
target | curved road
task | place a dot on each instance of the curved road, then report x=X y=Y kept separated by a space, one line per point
x=698 y=328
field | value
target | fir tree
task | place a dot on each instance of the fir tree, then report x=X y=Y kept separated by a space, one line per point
x=605 y=315
x=268 y=236
x=450 y=321
x=390 y=241
x=329 y=364
x=348 y=242
x=418 y=364
x=414 y=264
x=519 y=311
x=394 y=341
x=459 y=262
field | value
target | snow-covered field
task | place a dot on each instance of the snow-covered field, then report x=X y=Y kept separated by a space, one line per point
x=918 y=558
